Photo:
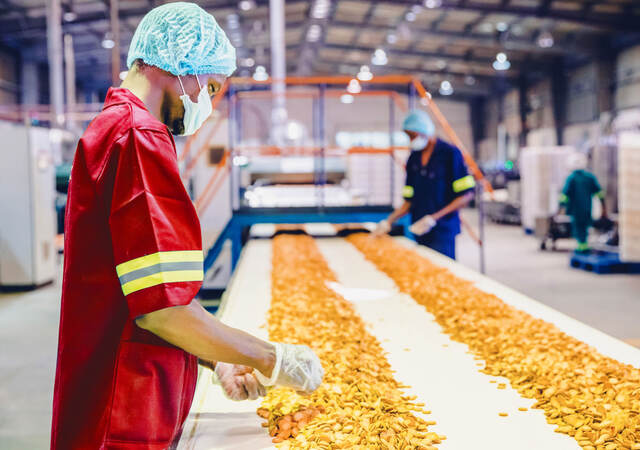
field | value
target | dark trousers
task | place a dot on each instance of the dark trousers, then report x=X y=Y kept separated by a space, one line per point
x=444 y=243
x=580 y=229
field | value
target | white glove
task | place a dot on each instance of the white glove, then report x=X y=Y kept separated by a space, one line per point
x=238 y=383
x=383 y=228
x=423 y=225
x=296 y=367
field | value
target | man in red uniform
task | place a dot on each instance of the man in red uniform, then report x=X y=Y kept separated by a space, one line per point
x=130 y=329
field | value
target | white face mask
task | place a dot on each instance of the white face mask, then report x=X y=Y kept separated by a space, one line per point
x=419 y=143
x=195 y=113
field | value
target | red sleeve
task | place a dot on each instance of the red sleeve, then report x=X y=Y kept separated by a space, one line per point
x=155 y=231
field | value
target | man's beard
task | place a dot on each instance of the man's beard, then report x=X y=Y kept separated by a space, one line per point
x=170 y=118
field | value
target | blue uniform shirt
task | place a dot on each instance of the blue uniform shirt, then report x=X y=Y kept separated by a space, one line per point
x=434 y=186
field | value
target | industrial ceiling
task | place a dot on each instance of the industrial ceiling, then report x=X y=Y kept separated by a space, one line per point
x=454 y=40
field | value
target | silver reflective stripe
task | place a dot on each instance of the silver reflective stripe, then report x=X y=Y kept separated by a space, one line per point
x=161 y=267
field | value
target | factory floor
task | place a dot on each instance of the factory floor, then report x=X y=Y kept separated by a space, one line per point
x=610 y=303
x=29 y=321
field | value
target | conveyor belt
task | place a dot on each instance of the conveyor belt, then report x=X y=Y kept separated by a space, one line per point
x=442 y=374
x=318 y=229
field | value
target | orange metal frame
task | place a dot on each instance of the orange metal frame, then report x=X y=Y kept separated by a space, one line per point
x=311 y=93
x=216 y=180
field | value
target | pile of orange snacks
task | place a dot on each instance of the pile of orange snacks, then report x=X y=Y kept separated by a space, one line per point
x=359 y=404
x=591 y=397
x=283 y=426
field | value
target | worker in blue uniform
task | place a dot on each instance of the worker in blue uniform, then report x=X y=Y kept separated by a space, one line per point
x=438 y=184
x=576 y=199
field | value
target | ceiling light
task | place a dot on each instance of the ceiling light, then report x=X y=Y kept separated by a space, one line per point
x=497 y=65
x=123 y=74
x=446 y=88
x=392 y=38
x=379 y=57
x=320 y=9
x=69 y=16
x=346 y=99
x=260 y=74
x=246 y=5
x=433 y=3
x=410 y=16
x=501 y=62
x=469 y=80
x=247 y=62
x=545 y=40
x=314 y=32
x=441 y=64
x=502 y=26
x=354 y=87
x=364 y=74
x=107 y=41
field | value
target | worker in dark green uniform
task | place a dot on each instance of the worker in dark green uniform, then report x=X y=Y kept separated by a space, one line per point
x=576 y=199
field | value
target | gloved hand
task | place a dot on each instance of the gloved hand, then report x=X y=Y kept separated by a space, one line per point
x=296 y=367
x=383 y=228
x=423 y=225
x=238 y=383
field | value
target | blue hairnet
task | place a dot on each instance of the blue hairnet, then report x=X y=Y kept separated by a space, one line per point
x=182 y=39
x=420 y=122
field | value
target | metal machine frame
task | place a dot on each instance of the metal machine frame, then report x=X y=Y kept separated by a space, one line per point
x=245 y=217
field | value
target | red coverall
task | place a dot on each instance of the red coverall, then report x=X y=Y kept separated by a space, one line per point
x=132 y=246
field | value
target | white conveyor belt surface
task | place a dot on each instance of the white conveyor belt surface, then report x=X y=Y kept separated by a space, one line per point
x=442 y=374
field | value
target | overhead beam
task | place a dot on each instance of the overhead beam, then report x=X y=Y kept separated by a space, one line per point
x=512 y=43
x=482 y=87
x=11 y=25
x=422 y=54
x=607 y=21
x=390 y=68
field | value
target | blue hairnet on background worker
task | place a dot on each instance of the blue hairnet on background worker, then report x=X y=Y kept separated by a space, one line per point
x=130 y=329
x=577 y=194
x=437 y=185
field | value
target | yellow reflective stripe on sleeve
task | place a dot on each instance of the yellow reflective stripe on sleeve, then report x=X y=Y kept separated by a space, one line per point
x=463 y=184
x=407 y=192
x=600 y=194
x=157 y=258
x=563 y=198
x=175 y=276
